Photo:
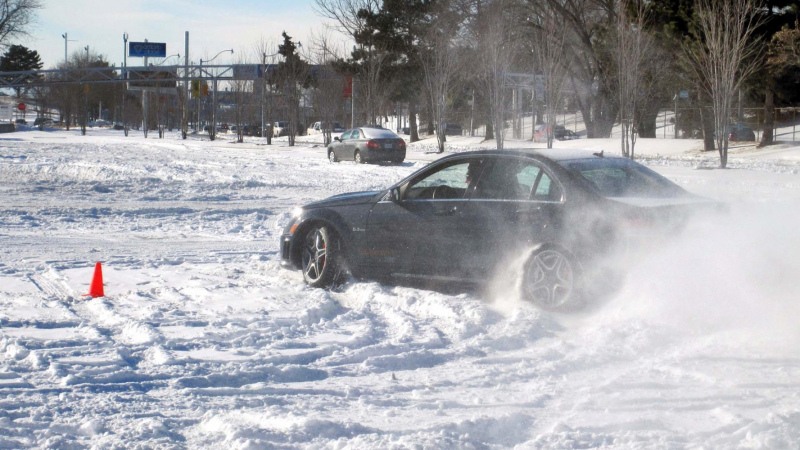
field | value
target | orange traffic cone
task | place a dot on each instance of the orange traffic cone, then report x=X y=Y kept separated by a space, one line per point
x=96 y=288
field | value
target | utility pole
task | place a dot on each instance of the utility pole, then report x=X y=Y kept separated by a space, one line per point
x=125 y=77
x=144 y=103
x=184 y=117
x=263 y=92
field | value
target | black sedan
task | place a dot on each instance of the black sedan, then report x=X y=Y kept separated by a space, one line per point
x=368 y=144
x=561 y=216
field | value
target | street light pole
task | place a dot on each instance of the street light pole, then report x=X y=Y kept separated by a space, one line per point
x=66 y=39
x=184 y=121
x=125 y=77
x=212 y=130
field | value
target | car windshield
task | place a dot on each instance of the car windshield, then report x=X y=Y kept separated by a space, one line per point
x=618 y=177
x=378 y=133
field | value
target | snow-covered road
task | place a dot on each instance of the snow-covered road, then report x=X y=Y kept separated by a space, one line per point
x=204 y=341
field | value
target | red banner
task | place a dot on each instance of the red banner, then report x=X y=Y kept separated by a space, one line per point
x=347 y=92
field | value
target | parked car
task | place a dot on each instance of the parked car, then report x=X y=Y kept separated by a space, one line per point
x=319 y=127
x=565 y=135
x=452 y=129
x=251 y=130
x=367 y=144
x=21 y=122
x=43 y=122
x=559 y=133
x=565 y=214
x=119 y=126
x=741 y=132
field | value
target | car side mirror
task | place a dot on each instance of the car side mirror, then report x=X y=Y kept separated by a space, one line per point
x=337 y=138
x=394 y=195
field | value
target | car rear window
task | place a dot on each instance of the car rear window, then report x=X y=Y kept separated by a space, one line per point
x=619 y=177
x=378 y=133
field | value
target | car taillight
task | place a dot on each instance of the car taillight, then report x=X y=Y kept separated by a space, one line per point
x=372 y=144
x=402 y=143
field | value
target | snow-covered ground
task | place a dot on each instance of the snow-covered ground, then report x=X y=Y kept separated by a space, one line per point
x=204 y=341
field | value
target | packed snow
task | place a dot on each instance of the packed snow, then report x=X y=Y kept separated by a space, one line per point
x=202 y=340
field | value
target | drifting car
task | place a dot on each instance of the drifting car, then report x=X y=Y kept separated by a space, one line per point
x=465 y=218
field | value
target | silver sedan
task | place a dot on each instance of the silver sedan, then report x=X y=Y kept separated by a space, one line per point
x=368 y=144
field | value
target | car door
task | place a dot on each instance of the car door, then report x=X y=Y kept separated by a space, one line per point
x=420 y=232
x=339 y=148
x=515 y=205
x=352 y=143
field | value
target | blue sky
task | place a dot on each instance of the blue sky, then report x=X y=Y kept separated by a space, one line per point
x=213 y=25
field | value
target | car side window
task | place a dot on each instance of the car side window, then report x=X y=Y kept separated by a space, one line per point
x=508 y=179
x=547 y=189
x=355 y=135
x=346 y=134
x=449 y=182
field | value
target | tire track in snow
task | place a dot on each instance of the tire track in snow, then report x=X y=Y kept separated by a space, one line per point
x=125 y=342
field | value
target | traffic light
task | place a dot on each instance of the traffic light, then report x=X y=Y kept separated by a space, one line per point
x=205 y=89
x=195 y=88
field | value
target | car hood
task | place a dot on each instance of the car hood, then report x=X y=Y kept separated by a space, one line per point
x=350 y=198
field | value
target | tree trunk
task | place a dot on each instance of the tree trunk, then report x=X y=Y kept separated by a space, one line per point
x=707 y=120
x=767 y=137
x=489 y=131
x=646 y=122
x=412 y=122
x=430 y=117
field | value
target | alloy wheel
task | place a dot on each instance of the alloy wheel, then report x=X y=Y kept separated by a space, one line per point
x=549 y=279
x=314 y=255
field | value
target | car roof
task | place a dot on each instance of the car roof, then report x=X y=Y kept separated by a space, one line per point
x=561 y=154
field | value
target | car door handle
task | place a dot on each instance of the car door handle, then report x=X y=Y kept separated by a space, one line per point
x=448 y=211
x=528 y=210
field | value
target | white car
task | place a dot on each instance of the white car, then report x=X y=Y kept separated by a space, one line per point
x=319 y=127
x=280 y=128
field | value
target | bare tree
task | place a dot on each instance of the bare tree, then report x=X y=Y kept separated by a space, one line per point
x=350 y=21
x=496 y=51
x=550 y=58
x=345 y=15
x=440 y=63
x=718 y=58
x=241 y=93
x=266 y=50
x=633 y=46
x=591 y=79
x=327 y=96
x=15 y=18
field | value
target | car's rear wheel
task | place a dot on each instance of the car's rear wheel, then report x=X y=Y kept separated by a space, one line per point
x=322 y=257
x=551 y=280
x=357 y=158
x=332 y=156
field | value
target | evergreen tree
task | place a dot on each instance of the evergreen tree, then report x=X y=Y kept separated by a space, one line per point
x=386 y=55
x=20 y=58
x=292 y=74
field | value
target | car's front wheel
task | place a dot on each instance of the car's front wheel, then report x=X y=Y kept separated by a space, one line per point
x=551 y=280
x=321 y=256
x=357 y=158
x=332 y=156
